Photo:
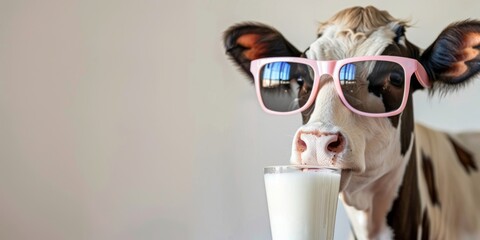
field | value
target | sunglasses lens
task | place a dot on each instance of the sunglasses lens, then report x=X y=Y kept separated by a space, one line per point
x=285 y=86
x=373 y=86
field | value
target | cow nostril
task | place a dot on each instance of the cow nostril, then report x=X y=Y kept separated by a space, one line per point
x=301 y=145
x=337 y=145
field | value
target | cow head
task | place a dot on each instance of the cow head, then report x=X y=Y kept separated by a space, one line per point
x=372 y=150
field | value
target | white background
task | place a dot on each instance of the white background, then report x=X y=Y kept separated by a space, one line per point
x=124 y=120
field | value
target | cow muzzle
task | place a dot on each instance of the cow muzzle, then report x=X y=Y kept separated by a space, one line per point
x=323 y=148
x=313 y=147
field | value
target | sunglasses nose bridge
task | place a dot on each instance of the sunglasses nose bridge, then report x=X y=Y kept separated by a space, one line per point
x=325 y=74
x=326 y=67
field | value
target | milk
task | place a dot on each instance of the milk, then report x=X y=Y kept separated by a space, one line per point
x=302 y=204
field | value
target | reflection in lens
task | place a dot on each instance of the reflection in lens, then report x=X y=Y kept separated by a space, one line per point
x=373 y=86
x=281 y=83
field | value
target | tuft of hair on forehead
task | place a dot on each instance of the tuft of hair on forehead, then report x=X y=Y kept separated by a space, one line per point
x=362 y=19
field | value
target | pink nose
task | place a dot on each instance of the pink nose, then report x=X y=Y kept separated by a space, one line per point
x=315 y=148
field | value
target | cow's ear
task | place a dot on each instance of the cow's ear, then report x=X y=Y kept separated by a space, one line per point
x=454 y=57
x=249 y=41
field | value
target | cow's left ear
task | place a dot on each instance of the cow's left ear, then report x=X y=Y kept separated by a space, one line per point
x=454 y=57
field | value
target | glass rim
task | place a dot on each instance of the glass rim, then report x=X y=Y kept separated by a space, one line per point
x=276 y=169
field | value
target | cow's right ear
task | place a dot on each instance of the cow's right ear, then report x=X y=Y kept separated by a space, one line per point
x=249 y=41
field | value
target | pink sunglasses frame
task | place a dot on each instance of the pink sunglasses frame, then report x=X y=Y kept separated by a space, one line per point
x=332 y=68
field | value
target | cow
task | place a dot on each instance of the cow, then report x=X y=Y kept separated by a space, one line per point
x=353 y=87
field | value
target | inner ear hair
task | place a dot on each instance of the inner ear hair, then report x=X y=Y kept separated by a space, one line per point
x=467 y=57
x=248 y=41
x=241 y=42
x=454 y=57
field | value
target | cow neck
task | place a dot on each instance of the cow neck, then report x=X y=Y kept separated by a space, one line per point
x=405 y=214
x=393 y=207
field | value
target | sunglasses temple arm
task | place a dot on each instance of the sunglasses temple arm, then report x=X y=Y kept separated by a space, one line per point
x=422 y=76
x=254 y=67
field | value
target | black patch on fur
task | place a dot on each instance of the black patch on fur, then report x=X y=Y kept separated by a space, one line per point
x=404 y=216
x=407 y=126
x=429 y=175
x=407 y=116
x=399 y=32
x=425 y=226
x=464 y=157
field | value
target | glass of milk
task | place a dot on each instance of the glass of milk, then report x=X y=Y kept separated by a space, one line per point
x=302 y=201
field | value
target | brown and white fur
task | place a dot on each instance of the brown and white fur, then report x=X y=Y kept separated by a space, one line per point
x=399 y=180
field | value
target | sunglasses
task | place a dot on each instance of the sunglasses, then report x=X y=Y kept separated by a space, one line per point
x=372 y=86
